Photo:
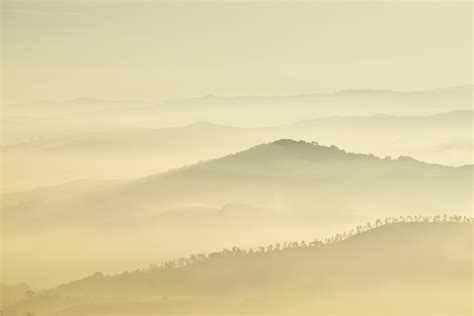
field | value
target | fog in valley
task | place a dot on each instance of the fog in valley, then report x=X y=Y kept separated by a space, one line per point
x=236 y=158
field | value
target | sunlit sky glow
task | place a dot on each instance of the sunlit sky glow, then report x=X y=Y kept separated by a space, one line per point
x=154 y=50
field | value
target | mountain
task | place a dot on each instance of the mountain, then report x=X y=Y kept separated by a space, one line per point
x=400 y=267
x=144 y=139
x=280 y=190
x=287 y=174
x=253 y=110
x=457 y=118
x=458 y=94
x=127 y=153
x=51 y=119
x=149 y=139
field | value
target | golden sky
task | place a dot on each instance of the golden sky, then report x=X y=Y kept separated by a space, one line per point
x=130 y=50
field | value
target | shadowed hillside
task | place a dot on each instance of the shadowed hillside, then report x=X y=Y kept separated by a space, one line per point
x=417 y=265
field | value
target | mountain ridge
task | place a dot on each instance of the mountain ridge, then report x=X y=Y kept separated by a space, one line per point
x=309 y=151
x=335 y=93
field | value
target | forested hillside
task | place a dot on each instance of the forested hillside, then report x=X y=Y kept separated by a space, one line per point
x=415 y=264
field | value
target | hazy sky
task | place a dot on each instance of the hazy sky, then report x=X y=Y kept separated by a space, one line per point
x=153 y=50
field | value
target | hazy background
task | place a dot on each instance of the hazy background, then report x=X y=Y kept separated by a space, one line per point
x=139 y=50
x=101 y=99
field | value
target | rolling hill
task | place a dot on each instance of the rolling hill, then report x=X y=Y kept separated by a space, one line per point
x=53 y=119
x=133 y=152
x=280 y=190
x=294 y=176
x=400 y=267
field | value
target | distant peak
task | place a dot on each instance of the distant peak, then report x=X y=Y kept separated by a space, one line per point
x=364 y=92
x=204 y=124
x=375 y=92
x=89 y=100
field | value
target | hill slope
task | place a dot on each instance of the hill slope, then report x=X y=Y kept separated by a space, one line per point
x=285 y=189
x=404 y=267
x=288 y=175
x=133 y=152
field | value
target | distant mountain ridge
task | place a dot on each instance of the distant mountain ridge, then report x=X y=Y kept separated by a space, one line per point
x=464 y=117
x=463 y=89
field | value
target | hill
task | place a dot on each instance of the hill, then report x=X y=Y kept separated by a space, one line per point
x=416 y=266
x=133 y=152
x=284 y=189
x=301 y=176
x=52 y=119
x=342 y=102
x=149 y=139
